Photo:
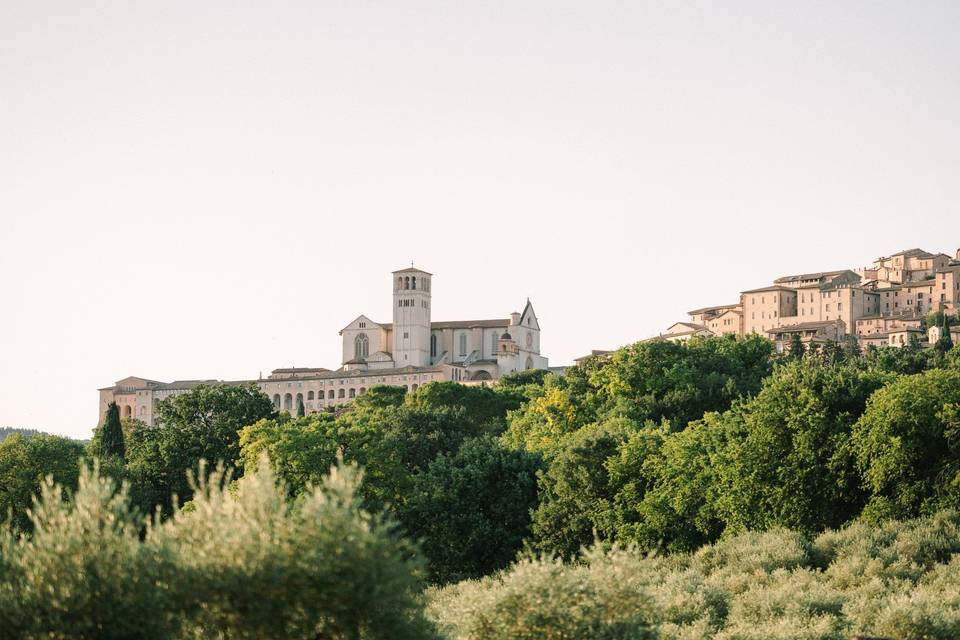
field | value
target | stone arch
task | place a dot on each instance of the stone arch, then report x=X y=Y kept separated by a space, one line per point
x=341 y=394
x=331 y=395
x=276 y=401
x=481 y=375
x=529 y=362
x=127 y=411
x=288 y=402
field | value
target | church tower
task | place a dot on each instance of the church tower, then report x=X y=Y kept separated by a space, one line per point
x=411 y=317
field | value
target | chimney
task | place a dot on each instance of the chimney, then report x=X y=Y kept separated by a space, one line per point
x=514 y=319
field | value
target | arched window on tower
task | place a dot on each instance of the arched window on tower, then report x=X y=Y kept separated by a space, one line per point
x=361 y=347
x=399 y=282
x=406 y=282
x=433 y=345
x=413 y=282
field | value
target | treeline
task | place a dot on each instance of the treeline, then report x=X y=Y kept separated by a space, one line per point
x=659 y=448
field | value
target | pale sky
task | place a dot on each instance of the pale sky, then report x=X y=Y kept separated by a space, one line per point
x=213 y=189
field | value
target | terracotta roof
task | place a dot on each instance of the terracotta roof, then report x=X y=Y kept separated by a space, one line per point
x=775 y=287
x=810 y=276
x=803 y=326
x=720 y=307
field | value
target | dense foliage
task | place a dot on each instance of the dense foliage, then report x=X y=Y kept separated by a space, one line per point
x=898 y=580
x=713 y=489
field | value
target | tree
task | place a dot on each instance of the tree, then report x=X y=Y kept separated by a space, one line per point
x=790 y=464
x=25 y=462
x=299 y=450
x=246 y=562
x=482 y=406
x=907 y=443
x=202 y=424
x=662 y=380
x=300 y=410
x=575 y=490
x=471 y=509
x=111 y=434
x=667 y=484
x=796 y=349
x=945 y=343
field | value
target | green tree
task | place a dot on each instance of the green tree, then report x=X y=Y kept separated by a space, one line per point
x=471 y=509
x=483 y=407
x=245 y=562
x=300 y=410
x=667 y=487
x=202 y=424
x=576 y=491
x=945 y=343
x=111 y=434
x=790 y=464
x=662 y=380
x=907 y=443
x=24 y=463
x=299 y=450
x=796 y=349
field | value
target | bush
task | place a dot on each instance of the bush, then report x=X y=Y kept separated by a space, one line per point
x=253 y=565
x=543 y=598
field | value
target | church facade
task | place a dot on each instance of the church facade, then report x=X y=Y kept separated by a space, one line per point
x=410 y=351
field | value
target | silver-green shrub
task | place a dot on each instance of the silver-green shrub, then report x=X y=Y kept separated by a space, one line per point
x=243 y=563
x=543 y=598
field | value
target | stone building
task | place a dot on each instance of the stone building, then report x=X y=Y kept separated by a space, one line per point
x=881 y=304
x=408 y=352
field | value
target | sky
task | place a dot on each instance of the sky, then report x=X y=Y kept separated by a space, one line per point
x=214 y=189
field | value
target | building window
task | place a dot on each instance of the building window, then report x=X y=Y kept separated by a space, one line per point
x=353 y=393
x=341 y=394
x=310 y=395
x=433 y=346
x=413 y=282
x=330 y=395
x=361 y=347
x=463 y=344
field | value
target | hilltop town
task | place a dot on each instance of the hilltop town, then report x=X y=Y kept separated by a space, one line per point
x=881 y=305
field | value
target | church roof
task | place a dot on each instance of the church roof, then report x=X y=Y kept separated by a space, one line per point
x=460 y=324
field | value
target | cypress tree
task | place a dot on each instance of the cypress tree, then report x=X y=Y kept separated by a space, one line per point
x=111 y=434
x=945 y=343
x=796 y=346
x=300 y=410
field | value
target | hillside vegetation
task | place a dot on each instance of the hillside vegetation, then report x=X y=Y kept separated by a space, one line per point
x=712 y=489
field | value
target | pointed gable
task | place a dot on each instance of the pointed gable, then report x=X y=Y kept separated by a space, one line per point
x=361 y=322
x=529 y=317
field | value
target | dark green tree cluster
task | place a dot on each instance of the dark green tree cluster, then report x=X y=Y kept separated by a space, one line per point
x=431 y=458
x=810 y=440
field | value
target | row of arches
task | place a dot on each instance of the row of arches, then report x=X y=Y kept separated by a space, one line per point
x=290 y=402
x=410 y=283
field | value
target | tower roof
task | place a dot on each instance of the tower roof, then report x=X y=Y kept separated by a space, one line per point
x=413 y=270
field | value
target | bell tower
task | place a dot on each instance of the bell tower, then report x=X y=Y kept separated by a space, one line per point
x=411 y=317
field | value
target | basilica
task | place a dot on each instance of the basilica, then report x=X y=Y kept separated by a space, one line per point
x=410 y=351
